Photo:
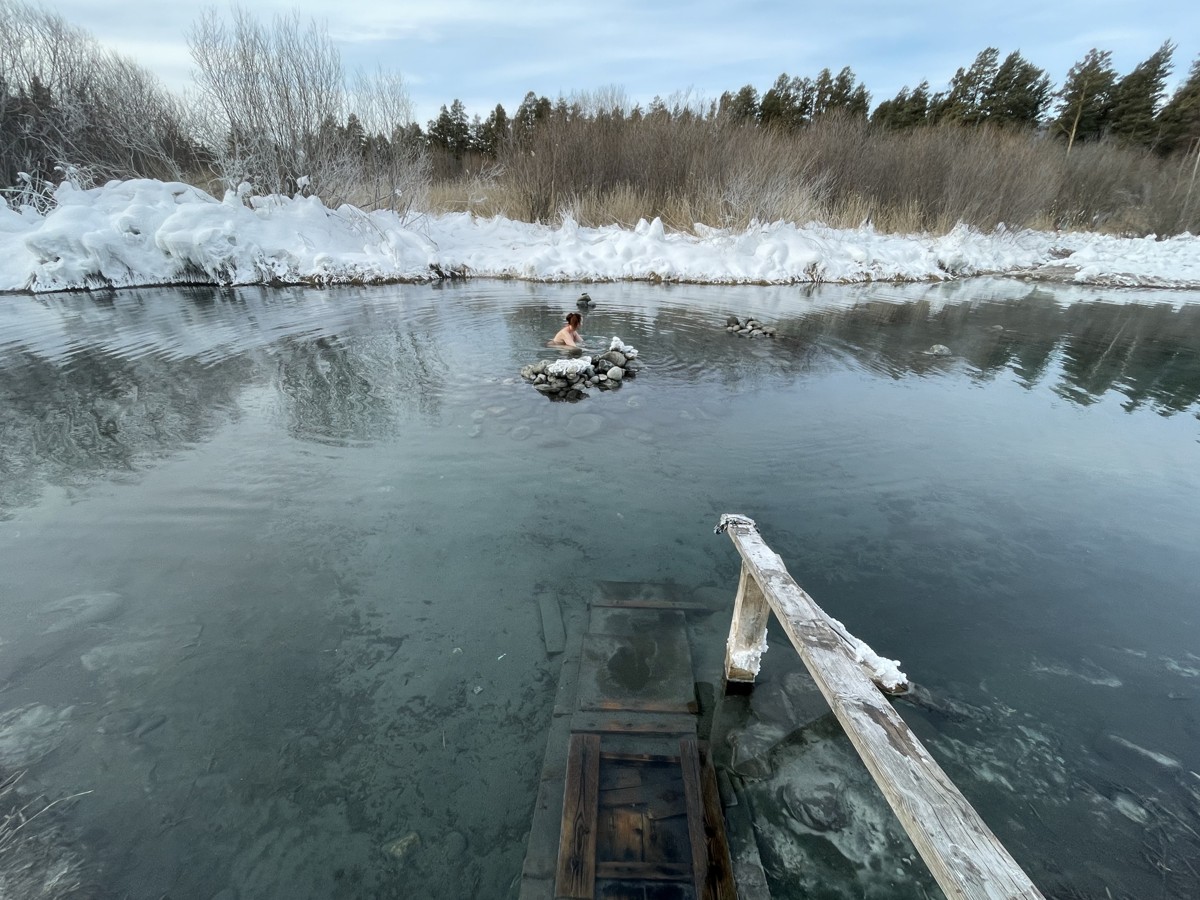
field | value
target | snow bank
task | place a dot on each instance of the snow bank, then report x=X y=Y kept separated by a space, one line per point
x=150 y=232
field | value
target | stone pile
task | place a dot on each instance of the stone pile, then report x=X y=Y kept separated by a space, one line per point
x=751 y=328
x=568 y=379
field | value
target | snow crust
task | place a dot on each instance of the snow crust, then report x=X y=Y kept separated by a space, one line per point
x=573 y=366
x=142 y=232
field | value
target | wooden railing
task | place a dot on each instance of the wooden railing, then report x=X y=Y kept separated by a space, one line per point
x=965 y=858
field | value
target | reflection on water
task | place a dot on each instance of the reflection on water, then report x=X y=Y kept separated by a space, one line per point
x=272 y=561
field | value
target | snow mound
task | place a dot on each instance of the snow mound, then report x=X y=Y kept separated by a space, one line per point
x=141 y=232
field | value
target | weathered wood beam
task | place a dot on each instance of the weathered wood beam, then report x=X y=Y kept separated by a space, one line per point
x=748 y=632
x=964 y=856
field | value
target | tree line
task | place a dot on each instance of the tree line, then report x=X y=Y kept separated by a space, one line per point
x=274 y=108
x=1094 y=103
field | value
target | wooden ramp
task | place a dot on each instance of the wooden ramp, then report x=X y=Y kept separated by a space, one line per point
x=628 y=804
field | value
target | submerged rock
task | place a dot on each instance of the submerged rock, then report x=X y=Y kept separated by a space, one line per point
x=29 y=732
x=402 y=846
x=81 y=609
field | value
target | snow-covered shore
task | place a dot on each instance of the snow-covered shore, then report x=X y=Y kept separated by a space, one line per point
x=144 y=232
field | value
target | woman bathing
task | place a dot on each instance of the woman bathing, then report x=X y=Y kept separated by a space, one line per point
x=568 y=335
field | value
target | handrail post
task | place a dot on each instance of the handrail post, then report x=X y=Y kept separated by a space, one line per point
x=747 y=632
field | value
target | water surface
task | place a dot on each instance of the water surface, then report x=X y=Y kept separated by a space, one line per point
x=271 y=564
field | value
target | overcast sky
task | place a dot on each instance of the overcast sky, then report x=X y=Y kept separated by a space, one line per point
x=485 y=52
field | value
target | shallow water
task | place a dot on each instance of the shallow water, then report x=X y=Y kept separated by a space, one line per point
x=271 y=562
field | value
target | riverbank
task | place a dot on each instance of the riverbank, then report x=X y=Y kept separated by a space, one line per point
x=144 y=232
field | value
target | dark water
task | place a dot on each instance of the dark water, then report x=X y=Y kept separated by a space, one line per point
x=270 y=563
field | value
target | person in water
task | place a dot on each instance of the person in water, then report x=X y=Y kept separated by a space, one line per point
x=568 y=335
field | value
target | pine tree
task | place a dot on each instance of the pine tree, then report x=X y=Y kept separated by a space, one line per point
x=1018 y=93
x=964 y=102
x=1179 y=121
x=533 y=111
x=450 y=130
x=1085 y=100
x=1137 y=96
x=906 y=110
x=491 y=134
x=788 y=103
x=741 y=107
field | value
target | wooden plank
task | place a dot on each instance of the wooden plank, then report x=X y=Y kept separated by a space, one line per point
x=576 y=878
x=633 y=722
x=626 y=622
x=719 y=881
x=615 y=777
x=689 y=763
x=964 y=856
x=680 y=605
x=666 y=806
x=748 y=632
x=644 y=595
x=622 y=796
x=553 y=633
x=622 y=756
x=619 y=835
x=541 y=858
x=644 y=871
x=649 y=670
x=646 y=705
x=667 y=840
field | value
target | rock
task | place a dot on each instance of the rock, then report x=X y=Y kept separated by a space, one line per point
x=938 y=350
x=454 y=845
x=732 y=322
x=29 y=732
x=119 y=722
x=751 y=748
x=616 y=373
x=819 y=807
x=585 y=300
x=81 y=609
x=400 y=847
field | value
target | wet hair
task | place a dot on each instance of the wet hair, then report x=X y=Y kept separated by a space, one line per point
x=574 y=319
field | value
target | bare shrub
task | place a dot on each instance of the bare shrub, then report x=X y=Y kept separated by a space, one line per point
x=70 y=110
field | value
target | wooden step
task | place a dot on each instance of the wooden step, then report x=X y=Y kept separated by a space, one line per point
x=644 y=595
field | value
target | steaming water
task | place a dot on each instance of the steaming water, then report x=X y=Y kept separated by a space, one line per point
x=271 y=562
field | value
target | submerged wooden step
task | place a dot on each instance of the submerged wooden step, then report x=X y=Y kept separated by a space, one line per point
x=632 y=722
x=640 y=816
x=644 y=595
x=637 y=660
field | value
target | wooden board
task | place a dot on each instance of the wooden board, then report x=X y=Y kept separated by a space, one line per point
x=576 y=877
x=720 y=883
x=645 y=595
x=648 y=669
x=630 y=722
x=553 y=633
